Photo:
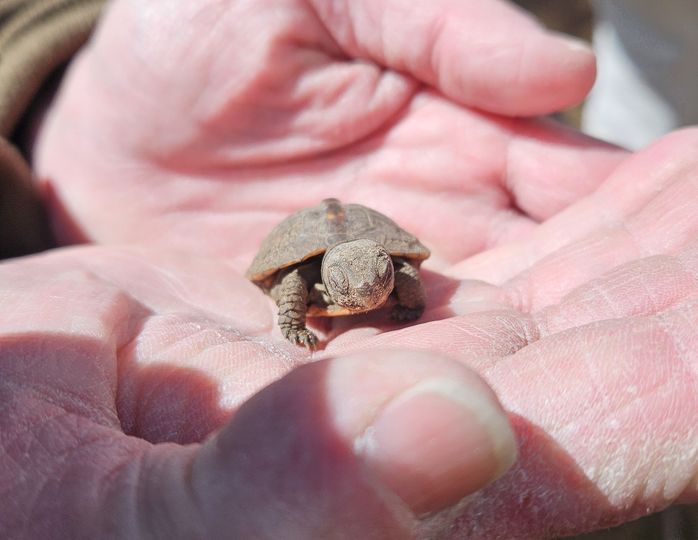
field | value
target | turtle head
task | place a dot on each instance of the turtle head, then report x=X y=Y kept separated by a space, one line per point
x=358 y=275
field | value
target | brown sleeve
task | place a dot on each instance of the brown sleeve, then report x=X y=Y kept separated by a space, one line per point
x=36 y=38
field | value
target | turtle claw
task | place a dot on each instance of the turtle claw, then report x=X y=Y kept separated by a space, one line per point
x=302 y=337
x=404 y=313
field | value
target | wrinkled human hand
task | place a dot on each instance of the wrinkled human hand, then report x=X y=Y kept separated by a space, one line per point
x=585 y=331
x=117 y=363
x=200 y=125
x=593 y=353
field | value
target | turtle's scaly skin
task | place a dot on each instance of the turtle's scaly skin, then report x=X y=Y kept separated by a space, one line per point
x=288 y=266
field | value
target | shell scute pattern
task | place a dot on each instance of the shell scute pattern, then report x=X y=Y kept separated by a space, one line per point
x=311 y=231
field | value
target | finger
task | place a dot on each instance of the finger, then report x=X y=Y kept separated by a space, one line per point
x=645 y=207
x=483 y=53
x=509 y=174
x=549 y=166
x=605 y=416
x=370 y=439
x=358 y=444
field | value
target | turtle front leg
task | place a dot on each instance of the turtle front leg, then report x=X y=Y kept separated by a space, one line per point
x=291 y=296
x=411 y=297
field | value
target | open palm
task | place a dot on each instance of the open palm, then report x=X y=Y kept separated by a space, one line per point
x=585 y=331
x=168 y=137
x=211 y=121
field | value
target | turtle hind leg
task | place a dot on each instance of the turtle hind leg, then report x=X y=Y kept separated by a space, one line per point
x=291 y=296
x=411 y=298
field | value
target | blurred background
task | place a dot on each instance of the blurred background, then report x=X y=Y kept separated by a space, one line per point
x=571 y=16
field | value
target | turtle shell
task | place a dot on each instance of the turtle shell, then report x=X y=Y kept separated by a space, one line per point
x=312 y=231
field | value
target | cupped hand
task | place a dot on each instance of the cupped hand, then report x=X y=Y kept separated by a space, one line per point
x=199 y=125
x=585 y=331
x=120 y=369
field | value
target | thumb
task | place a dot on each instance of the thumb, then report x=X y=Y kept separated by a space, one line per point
x=486 y=54
x=356 y=446
x=347 y=448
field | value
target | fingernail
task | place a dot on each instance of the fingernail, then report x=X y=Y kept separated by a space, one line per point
x=436 y=443
x=574 y=44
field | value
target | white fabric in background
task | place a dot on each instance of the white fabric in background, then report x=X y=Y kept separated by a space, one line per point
x=647 y=80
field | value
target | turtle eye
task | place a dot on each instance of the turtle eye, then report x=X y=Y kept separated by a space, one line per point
x=382 y=265
x=338 y=279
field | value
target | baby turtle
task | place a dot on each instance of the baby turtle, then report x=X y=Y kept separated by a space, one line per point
x=338 y=259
